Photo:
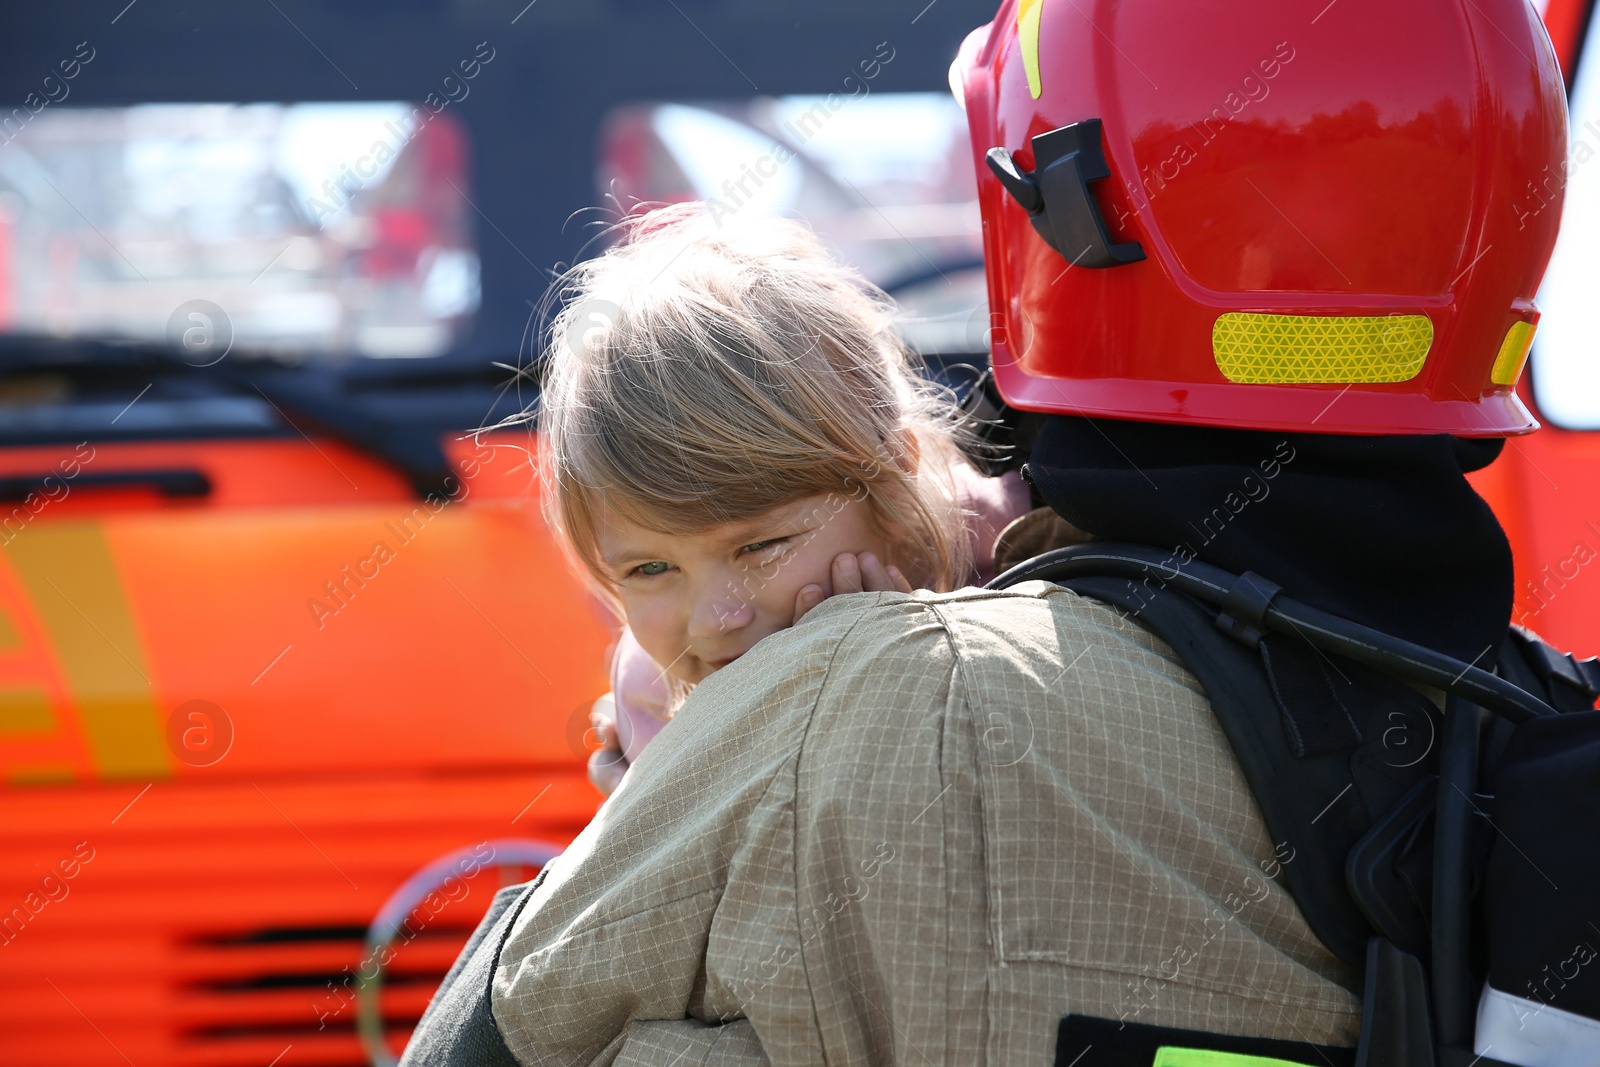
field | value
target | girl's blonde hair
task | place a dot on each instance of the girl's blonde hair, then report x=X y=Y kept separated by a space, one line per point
x=703 y=373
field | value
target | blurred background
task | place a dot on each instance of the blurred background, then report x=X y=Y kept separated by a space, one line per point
x=291 y=676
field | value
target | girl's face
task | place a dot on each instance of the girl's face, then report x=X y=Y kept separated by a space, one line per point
x=698 y=602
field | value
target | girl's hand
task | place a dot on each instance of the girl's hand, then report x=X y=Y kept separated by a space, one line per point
x=852 y=572
x=606 y=764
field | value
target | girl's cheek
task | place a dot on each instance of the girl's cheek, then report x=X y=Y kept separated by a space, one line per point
x=773 y=608
x=776 y=596
x=651 y=619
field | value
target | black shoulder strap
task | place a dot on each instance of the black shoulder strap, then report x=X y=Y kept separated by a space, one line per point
x=1326 y=744
x=1568 y=683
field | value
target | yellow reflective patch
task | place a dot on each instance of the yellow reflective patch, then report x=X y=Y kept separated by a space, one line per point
x=69 y=574
x=25 y=711
x=1167 y=1056
x=1513 y=354
x=1255 y=348
x=1028 y=12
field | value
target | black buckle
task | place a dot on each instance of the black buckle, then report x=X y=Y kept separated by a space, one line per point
x=1244 y=615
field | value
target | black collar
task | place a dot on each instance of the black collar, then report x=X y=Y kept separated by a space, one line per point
x=1385 y=531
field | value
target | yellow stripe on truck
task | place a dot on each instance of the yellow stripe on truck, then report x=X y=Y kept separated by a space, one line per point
x=69 y=574
x=25 y=710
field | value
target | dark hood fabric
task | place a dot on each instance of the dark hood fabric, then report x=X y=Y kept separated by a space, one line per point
x=1385 y=531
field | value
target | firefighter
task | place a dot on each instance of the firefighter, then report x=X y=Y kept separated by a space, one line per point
x=1260 y=272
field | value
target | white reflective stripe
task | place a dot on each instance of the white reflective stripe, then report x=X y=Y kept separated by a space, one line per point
x=1533 y=1034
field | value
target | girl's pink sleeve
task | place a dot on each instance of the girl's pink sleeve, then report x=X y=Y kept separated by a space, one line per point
x=989 y=504
x=639 y=689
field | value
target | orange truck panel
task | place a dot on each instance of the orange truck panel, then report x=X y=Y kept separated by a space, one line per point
x=231 y=726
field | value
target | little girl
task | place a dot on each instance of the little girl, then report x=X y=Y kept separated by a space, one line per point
x=732 y=430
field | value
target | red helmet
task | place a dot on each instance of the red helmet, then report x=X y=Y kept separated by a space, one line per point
x=1267 y=215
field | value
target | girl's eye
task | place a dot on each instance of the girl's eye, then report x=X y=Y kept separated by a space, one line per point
x=758 y=546
x=651 y=569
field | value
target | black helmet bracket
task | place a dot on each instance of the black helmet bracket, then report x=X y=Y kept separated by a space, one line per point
x=1056 y=195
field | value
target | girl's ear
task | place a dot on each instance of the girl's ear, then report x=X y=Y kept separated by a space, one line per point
x=907 y=451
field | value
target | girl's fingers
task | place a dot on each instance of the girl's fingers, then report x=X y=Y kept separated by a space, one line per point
x=606 y=768
x=808 y=598
x=606 y=763
x=846 y=573
x=865 y=572
x=900 y=582
x=605 y=728
x=875 y=576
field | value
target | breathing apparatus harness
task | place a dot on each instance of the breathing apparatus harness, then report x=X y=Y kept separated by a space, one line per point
x=1428 y=848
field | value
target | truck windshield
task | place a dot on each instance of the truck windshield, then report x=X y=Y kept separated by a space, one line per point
x=884 y=178
x=313 y=228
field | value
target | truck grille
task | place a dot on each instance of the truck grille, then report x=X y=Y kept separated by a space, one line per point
x=246 y=996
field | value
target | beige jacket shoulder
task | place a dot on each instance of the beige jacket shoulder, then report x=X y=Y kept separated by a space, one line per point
x=919 y=829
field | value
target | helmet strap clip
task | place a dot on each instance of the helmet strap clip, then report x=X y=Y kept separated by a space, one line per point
x=1057 y=198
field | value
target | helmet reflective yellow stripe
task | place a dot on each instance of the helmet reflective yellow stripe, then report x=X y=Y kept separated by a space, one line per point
x=1028 y=12
x=1513 y=353
x=1259 y=348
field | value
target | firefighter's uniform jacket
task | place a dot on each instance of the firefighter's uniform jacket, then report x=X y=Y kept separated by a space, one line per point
x=920 y=829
